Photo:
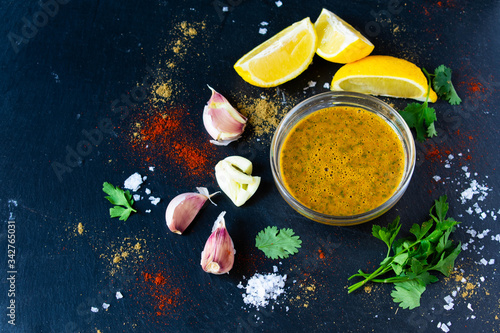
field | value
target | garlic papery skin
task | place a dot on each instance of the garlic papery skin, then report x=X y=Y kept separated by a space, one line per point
x=234 y=177
x=218 y=255
x=182 y=209
x=223 y=122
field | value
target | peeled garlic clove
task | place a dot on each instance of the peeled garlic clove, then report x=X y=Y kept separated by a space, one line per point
x=218 y=255
x=182 y=210
x=234 y=179
x=247 y=191
x=241 y=163
x=223 y=122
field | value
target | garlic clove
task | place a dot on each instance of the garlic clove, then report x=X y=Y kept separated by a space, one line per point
x=182 y=209
x=241 y=163
x=247 y=191
x=223 y=122
x=236 y=184
x=217 y=256
x=233 y=173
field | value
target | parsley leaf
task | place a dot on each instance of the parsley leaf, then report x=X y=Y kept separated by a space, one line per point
x=121 y=199
x=276 y=244
x=408 y=293
x=444 y=87
x=428 y=249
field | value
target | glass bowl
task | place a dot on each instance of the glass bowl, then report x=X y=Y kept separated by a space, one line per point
x=343 y=99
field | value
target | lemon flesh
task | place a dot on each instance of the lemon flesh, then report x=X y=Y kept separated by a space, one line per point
x=383 y=76
x=338 y=41
x=281 y=58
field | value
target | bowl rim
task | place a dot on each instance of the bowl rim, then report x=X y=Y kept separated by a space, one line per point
x=408 y=148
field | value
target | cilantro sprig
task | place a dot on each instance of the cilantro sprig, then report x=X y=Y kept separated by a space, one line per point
x=444 y=87
x=421 y=117
x=121 y=199
x=277 y=244
x=428 y=249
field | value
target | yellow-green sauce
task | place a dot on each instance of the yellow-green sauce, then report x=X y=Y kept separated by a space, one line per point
x=342 y=161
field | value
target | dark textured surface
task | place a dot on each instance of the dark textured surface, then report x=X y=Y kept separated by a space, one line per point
x=67 y=75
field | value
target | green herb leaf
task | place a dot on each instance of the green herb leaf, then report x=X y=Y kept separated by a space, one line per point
x=121 y=199
x=277 y=244
x=421 y=118
x=446 y=263
x=429 y=249
x=407 y=294
x=444 y=87
x=387 y=235
x=441 y=207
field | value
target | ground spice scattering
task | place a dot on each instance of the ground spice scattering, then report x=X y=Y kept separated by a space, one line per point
x=123 y=255
x=170 y=140
x=264 y=113
x=80 y=228
x=158 y=294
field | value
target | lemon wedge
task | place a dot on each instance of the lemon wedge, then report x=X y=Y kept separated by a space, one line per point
x=281 y=58
x=383 y=76
x=338 y=41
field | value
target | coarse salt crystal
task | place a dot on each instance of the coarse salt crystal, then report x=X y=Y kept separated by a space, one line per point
x=118 y=295
x=151 y=168
x=469 y=306
x=264 y=23
x=443 y=327
x=105 y=306
x=326 y=85
x=436 y=178
x=472 y=232
x=278 y=3
x=94 y=309
x=491 y=262
x=262 y=31
x=261 y=288
x=484 y=261
x=147 y=191
x=275 y=269
x=133 y=182
x=225 y=9
x=154 y=200
x=136 y=197
x=148 y=210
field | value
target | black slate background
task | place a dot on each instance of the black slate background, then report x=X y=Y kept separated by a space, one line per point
x=66 y=77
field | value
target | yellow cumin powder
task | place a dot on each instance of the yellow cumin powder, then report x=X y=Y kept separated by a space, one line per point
x=263 y=115
x=80 y=228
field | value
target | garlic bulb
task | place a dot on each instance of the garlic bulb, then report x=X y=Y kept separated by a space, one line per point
x=182 y=210
x=234 y=177
x=218 y=255
x=223 y=122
